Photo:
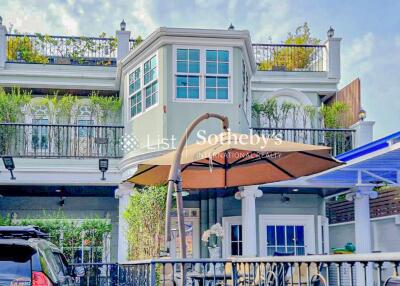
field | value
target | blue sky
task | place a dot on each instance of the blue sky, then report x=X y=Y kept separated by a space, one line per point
x=370 y=32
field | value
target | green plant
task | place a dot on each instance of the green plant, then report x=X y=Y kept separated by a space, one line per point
x=12 y=104
x=105 y=108
x=145 y=216
x=333 y=114
x=22 y=49
x=290 y=58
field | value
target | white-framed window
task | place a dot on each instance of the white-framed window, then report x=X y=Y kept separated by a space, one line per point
x=143 y=86
x=233 y=237
x=202 y=74
x=292 y=234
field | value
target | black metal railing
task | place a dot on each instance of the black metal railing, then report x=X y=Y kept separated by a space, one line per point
x=340 y=140
x=282 y=57
x=64 y=50
x=338 y=270
x=96 y=274
x=60 y=141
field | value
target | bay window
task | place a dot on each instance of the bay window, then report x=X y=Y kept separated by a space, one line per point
x=202 y=74
x=143 y=87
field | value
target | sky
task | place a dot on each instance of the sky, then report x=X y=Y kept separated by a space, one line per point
x=370 y=32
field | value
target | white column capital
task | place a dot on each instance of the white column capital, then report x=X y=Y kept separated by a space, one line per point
x=250 y=192
x=124 y=189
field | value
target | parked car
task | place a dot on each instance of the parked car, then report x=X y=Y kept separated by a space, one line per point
x=27 y=258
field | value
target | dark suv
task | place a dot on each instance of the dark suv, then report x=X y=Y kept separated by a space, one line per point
x=27 y=258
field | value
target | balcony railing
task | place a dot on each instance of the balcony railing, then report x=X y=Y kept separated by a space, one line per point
x=387 y=204
x=338 y=270
x=290 y=58
x=340 y=140
x=60 y=141
x=61 y=50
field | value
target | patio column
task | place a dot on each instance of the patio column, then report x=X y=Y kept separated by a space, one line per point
x=248 y=197
x=123 y=43
x=122 y=194
x=362 y=224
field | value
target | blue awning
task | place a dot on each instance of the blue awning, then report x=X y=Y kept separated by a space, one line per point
x=375 y=163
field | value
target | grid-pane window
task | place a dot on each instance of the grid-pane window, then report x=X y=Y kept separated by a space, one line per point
x=236 y=240
x=216 y=87
x=150 y=72
x=135 y=92
x=188 y=60
x=187 y=87
x=217 y=62
x=134 y=81
x=85 y=131
x=151 y=94
x=287 y=239
x=136 y=103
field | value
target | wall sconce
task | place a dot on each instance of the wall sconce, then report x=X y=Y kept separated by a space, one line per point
x=9 y=165
x=103 y=167
x=362 y=114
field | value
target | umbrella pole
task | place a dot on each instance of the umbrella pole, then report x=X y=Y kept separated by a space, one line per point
x=174 y=181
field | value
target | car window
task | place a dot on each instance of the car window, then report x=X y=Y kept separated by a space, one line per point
x=61 y=263
x=15 y=264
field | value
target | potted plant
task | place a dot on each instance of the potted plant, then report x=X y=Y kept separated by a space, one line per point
x=212 y=237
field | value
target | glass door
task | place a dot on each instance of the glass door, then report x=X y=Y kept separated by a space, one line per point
x=288 y=239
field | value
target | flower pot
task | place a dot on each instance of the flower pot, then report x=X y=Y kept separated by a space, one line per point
x=215 y=253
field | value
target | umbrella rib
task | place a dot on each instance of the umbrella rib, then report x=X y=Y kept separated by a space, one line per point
x=277 y=166
x=318 y=156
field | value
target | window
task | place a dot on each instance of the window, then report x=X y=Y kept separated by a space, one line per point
x=40 y=134
x=135 y=93
x=85 y=131
x=285 y=239
x=202 y=74
x=143 y=87
x=236 y=240
x=151 y=94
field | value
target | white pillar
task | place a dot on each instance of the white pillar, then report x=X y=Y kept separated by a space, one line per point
x=364 y=132
x=332 y=61
x=362 y=222
x=248 y=197
x=3 y=44
x=123 y=43
x=123 y=194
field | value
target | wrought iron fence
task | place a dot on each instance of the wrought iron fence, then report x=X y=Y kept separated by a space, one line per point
x=98 y=274
x=282 y=57
x=340 y=140
x=60 y=141
x=64 y=50
x=338 y=270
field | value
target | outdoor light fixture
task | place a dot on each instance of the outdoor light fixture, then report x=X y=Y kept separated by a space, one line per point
x=9 y=165
x=331 y=32
x=103 y=167
x=184 y=193
x=231 y=27
x=362 y=114
x=123 y=25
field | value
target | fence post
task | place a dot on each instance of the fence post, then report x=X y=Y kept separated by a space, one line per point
x=332 y=57
x=234 y=274
x=3 y=44
x=153 y=274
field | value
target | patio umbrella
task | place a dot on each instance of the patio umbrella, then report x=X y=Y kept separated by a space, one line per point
x=231 y=160
x=228 y=160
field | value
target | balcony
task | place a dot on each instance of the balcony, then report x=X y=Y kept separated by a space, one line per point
x=60 y=141
x=351 y=269
x=340 y=140
x=290 y=58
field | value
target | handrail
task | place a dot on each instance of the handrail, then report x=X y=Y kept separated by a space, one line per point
x=62 y=37
x=290 y=45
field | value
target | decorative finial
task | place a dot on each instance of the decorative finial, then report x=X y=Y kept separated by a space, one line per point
x=123 y=25
x=231 y=27
x=331 y=32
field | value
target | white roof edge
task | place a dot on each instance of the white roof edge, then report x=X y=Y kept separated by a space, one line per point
x=189 y=32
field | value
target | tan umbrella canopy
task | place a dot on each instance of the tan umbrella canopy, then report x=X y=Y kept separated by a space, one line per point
x=231 y=159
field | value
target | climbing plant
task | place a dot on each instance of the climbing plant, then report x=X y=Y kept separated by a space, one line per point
x=145 y=216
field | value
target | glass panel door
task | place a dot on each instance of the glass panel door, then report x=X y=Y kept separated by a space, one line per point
x=288 y=239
